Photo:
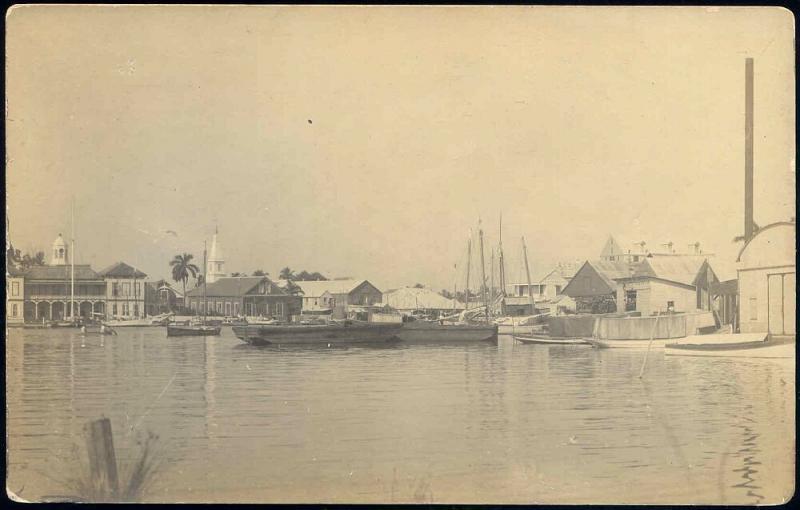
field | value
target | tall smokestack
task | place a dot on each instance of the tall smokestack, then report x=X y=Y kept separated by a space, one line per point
x=748 y=149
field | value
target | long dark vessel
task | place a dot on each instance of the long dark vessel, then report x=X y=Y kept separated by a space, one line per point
x=421 y=331
x=342 y=333
x=193 y=330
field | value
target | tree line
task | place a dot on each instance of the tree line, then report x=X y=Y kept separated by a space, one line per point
x=184 y=269
x=18 y=260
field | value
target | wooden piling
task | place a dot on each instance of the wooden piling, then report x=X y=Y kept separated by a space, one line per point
x=102 y=457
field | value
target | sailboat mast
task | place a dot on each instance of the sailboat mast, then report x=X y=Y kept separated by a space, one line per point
x=502 y=264
x=205 y=301
x=483 y=274
x=491 y=280
x=469 y=263
x=72 y=266
x=455 y=286
x=528 y=271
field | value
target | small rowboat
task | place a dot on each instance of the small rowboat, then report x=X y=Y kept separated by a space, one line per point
x=548 y=340
x=742 y=345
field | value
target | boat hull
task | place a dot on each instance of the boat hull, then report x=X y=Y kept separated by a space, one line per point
x=777 y=347
x=193 y=330
x=546 y=340
x=629 y=343
x=336 y=334
x=415 y=332
x=509 y=329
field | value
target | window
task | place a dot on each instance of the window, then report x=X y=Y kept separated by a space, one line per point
x=636 y=258
x=125 y=309
x=219 y=306
x=236 y=309
x=114 y=309
x=193 y=304
x=136 y=309
x=266 y=308
x=278 y=308
x=228 y=308
x=630 y=301
x=15 y=289
x=670 y=306
x=753 y=309
x=115 y=289
x=14 y=310
x=558 y=289
x=137 y=288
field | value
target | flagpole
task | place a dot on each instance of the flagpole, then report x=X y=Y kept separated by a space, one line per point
x=72 y=267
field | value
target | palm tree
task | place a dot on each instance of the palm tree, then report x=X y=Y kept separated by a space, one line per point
x=293 y=289
x=260 y=272
x=287 y=274
x=182 y=269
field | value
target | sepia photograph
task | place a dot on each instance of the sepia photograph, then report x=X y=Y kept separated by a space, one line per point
x=400 y=254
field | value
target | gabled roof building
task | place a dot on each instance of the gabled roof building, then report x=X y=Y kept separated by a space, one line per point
x=234 y=296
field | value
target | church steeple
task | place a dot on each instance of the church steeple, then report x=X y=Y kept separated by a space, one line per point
x=216 y=261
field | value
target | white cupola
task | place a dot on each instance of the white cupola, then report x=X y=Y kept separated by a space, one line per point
x=60 y=254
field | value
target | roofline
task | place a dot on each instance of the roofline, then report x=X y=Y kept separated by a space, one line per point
x=767 y=227
x=647 y=277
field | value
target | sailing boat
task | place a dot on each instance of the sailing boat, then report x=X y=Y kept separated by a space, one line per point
x=519 y=324
x=444 y=331
x=203 y=328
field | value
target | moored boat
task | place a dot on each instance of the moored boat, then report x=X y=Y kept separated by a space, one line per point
x=156 y=320
x=740 y=345
x=436 y=332
x=341 y=333
x=193 y=330
x=548 y=340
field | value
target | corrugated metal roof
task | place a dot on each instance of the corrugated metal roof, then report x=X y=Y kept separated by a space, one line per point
x=82 y=272
x=314 y=289
x=614 y=270
x=234 y=286
x=675 y=268
x=410 y=298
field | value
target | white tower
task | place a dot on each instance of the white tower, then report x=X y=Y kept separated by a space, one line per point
x=60 y=255
x=216 y=262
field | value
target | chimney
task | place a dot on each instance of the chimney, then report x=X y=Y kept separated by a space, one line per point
x=748 y=149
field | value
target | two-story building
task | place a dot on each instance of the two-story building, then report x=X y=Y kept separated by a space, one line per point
x=15 y=297
x=125 y=294
x=235 y=296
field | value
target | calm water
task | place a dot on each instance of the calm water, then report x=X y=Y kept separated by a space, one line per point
x=482 y=423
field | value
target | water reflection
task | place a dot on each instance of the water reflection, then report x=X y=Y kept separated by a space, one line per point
x=471 y=423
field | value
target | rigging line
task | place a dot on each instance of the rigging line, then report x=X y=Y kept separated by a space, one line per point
x=147 y=411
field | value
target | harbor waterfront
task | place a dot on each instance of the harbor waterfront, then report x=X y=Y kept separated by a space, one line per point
x=497 y=422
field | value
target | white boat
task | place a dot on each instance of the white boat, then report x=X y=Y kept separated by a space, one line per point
x=628 y=343
x=525 y=325
x=740 y=345
x=547 y=340
x=156 y=320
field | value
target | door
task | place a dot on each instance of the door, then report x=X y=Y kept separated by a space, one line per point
x=781 y=303
x=789 y=302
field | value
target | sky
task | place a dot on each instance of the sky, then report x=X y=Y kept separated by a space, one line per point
x=370 y=141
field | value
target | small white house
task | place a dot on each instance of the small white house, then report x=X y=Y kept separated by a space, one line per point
x=767 y=281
